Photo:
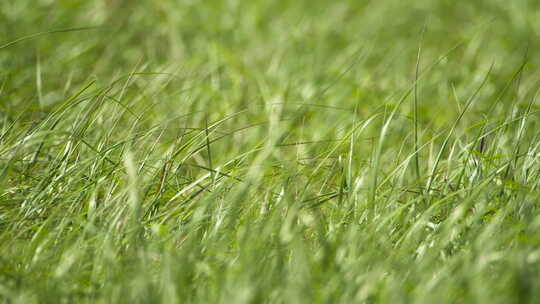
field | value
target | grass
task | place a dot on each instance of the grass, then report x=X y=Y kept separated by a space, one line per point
x=269 y=152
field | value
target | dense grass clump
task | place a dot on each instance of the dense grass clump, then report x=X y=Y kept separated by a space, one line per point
x=269 y=151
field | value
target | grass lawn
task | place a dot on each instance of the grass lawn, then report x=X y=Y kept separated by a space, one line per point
x=286 y=151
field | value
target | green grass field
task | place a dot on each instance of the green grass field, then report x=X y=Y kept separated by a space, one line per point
x=302 y=151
